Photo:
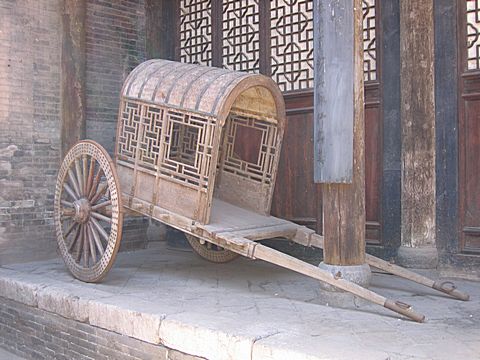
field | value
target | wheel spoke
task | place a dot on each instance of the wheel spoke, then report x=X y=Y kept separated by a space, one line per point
x=102 y=189
x=96 y=181
x=91 y=243
x=77 y=234
x=101 y=217
x=68 y=212
x=70 y=228
x=90 y=175
x=86 y=247
x=101 y=205
x=74 y=183
x=66 y=203
x=98 y=242
x=100 y=229
x=85 y=173
x=80 y=245
x=79 y=176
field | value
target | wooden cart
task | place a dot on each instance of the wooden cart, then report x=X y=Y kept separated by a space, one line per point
x=197 y=149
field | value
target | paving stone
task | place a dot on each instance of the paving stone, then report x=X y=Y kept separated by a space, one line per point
x=242 y=310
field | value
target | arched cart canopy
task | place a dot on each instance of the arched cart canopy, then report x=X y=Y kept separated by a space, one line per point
x=203 y=89
x=189 y=134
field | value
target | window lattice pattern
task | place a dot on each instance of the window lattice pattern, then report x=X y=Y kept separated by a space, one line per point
x=187 y=142
x=195 y=32
x=188 y=148
x=152 y=129
x=473 y=34
x=241 y=35
x=261 y=170
x=128 y=137
x=292 y=43
x=369 y=41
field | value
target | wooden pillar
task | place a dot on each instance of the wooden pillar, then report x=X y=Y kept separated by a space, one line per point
x=339 y=129
x=161 y=28
x=418 y=125
x=73 y=73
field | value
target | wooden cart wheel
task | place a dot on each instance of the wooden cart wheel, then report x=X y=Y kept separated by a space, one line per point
x=88 y=211
x=209 y=251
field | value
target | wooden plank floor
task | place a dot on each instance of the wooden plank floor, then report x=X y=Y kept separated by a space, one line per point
x=226 y=217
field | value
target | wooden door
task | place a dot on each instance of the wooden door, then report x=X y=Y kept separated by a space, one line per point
x=469 y=125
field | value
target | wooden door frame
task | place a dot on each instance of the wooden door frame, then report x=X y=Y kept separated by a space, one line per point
x=449 y=116
x=388 y=65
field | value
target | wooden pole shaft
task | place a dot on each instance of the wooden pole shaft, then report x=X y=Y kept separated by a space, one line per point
x=307 y=237
x=275 y=257
x=344 y=204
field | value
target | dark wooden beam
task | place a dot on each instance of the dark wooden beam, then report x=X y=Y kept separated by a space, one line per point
x=161 y=25
x=392 y=140
x=340 y=130
x=73 y=126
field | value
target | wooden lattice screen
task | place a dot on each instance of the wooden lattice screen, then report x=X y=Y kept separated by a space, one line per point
x=274 y=38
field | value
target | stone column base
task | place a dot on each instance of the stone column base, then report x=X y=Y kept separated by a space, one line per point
x=418 y=258
x=358 y=274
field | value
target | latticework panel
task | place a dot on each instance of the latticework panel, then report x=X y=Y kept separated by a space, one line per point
x=473 y=34
x=241 y=35
x=369 y=41
x=131 y=117
x=196 y=32
x=152 y=119
x=188 y=147
x=259 y=167
x=292 y=43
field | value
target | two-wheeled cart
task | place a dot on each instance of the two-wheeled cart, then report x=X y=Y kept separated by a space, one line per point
x=197 y=148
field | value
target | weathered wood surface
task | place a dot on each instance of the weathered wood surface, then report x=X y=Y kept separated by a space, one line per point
x=418 y=122
x=73 y=73
x=183 y=118
x=194 y=88
x=161 y=19
x=344 y=204
x=309 y=238
x=334 y=97
x=255 y=250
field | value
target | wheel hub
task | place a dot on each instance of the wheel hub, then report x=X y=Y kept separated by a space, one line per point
x=82 y=210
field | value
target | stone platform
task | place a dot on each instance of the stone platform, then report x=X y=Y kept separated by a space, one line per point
x=161 y=303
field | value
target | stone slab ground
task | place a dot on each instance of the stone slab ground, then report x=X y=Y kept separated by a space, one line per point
x=158 y=303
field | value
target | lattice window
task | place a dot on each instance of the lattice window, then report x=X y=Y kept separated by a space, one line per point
x=292 y=43
x=128 y=137
x=257 y=163
x=241 y=35
x=473 y=34
x=152 y=129
x=369 y=41
x=290 y=35
x=188 y=148
x=196 y=32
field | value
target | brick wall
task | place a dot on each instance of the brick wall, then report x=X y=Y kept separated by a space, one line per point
x=29 y=127
x=38 y=334
x=115 y=44
x=30 y=121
